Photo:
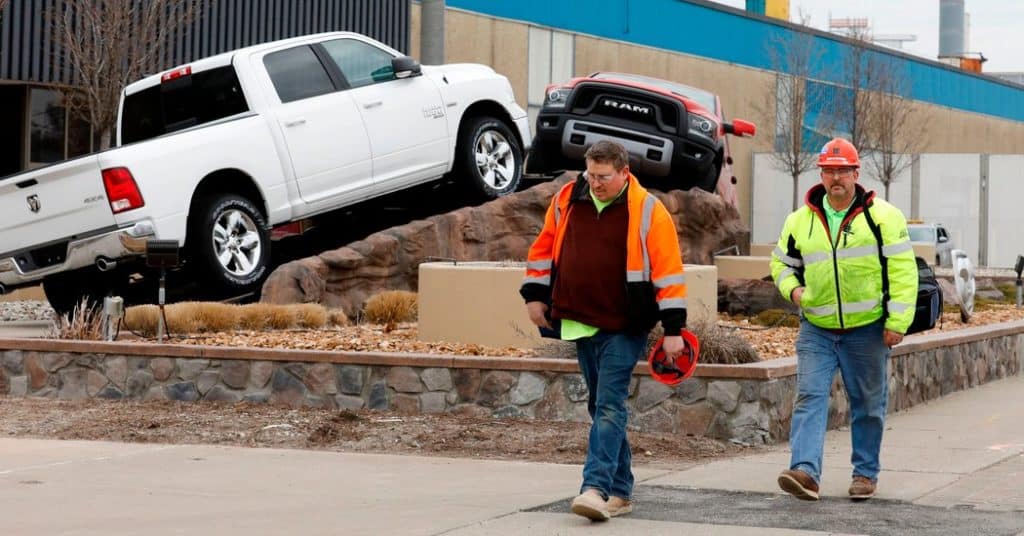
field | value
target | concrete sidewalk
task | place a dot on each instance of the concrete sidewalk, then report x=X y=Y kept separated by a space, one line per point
x=951 y=463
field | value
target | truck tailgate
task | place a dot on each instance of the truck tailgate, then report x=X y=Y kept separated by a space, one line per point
x=50 y=204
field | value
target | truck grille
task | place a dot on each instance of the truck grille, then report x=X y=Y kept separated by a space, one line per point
x=596 y=100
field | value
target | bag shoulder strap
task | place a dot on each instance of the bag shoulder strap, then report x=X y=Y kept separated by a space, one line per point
x=877 y=231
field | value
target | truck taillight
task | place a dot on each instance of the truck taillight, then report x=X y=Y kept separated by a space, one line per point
x=175 y=74
x=122 y=192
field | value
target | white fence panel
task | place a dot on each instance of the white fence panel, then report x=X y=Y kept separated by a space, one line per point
x=1005 y=214
x=950 y=189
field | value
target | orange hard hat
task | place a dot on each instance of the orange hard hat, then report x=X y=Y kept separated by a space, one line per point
x=838 y=153
x=683 y=366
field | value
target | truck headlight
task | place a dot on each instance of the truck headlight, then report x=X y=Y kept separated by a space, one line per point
x=703 y=127
x=556 y=97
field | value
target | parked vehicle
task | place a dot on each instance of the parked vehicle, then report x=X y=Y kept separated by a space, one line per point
x=936 y=235
x=675 y=134
x=217 y=153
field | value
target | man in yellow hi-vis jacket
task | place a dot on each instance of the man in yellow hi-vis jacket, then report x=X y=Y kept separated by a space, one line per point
x=829 y=263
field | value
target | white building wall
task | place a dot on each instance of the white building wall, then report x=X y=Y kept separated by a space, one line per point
x=1005 y=213
x=949 y=193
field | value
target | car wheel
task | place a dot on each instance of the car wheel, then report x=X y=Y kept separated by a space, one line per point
x=230 y=244
x=67 y=290
x=490 y=159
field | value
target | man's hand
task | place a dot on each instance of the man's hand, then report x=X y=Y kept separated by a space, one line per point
x=672 y=346
x=795 y=296
x=892 y=338
x=537 y=311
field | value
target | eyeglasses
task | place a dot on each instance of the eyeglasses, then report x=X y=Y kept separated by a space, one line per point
x=599 y=178
x=837 y=172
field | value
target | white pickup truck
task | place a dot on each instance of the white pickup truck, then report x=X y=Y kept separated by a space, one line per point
x=217 y=153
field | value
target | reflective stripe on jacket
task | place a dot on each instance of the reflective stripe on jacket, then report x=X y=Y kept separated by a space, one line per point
x=843 y=282
x=654 y=265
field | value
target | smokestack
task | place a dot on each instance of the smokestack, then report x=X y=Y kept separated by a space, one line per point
x=951 y=29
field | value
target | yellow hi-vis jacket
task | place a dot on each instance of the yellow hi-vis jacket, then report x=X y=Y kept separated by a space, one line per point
x=843 y=281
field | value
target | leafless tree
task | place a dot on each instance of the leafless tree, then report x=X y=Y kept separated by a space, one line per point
x=894 y=133
x=860 y=73
x=108 y=44
x=795 y=59
x=3 y=4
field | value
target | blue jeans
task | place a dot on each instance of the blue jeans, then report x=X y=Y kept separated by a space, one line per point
x=606 y=361
x=862 y=358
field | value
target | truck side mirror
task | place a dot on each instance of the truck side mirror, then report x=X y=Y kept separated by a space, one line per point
x=406 y=67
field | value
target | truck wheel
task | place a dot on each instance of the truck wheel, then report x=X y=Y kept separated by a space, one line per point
x=489 y=158
x=229 y=243
x=67 y=290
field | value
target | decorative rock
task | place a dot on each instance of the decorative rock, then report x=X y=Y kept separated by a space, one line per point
x=433 y=402
x=55 y=362
x=95 y=382
x=207 y=379
x=692 y=390
x=555 y=406
x=163 y=368
x=350 y=378
x=155 y=392
x=5 y=386
x=451 y=397
x=139 y=383
x=258 y=397
x=694 y=419
x=18 y=386
x=111 y=392
x=407 y=404
x=13 y=361
x=219 y=393
x=656 y=420
x=575 y=387
x=437 y=379
x=724 y=395
x=182 y=391
x=404 y=380
x=750 y=297
x=235 y=373
x=467 y=383
x=495 y=384
x=286 y=389
x=348 y=402
x=73 y=384
x=189 y=369
x=749 y=391
x=36 y=373
x=378 y=398
x=116 y=370
x=321 y=402
x=530 y=387
x=749 y=425
x=320 y=379
x=260 y=373
x=650 y=394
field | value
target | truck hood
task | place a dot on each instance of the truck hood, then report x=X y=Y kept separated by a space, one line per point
x=459 y=72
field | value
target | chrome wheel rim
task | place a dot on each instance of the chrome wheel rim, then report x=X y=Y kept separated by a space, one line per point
x=236 y=243
x=495 y=161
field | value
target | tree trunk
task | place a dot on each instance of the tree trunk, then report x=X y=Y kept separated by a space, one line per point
x=796 y=191
x=105 y=136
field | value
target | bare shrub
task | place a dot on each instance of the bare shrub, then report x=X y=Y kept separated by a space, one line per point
x=391 y=307
x=718 y=346
x=254 y=316
x=183 y=317
x=84 y=322
x=142 y=319
x=777 y=317
x=216 y=317
x=280 y=317
x=337 y=317
x=310 y=315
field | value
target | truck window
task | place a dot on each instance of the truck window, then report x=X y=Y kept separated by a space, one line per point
x=361 y=63
x=180 y=103
x=297 y=74
x=922 y=234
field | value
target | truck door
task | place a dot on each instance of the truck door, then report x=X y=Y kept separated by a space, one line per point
x=322 y=128
x=405 y=119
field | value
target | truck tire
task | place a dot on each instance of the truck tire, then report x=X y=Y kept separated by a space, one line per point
x=488 y=157
x=67 y=290
x=229 y=244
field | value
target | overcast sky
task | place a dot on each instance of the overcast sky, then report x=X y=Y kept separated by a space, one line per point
x=996 y=26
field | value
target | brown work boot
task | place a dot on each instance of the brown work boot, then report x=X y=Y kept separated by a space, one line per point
x=798 y=484
x=862 y=488
x=591 y=505
x=617 y=506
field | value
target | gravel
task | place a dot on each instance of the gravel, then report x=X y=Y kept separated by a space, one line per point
x=25 y=311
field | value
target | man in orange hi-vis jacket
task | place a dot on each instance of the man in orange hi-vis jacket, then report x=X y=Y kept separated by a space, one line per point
x=604 y=269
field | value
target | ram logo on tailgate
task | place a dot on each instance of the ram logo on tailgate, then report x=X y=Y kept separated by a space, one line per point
x=630 y=107
x=33 y=203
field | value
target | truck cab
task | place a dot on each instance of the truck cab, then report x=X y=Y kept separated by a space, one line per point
x=933 y=234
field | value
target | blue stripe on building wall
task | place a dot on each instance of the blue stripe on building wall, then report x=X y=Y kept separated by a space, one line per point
x=729 y=35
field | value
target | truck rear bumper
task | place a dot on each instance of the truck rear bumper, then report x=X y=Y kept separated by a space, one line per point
x=26 y=267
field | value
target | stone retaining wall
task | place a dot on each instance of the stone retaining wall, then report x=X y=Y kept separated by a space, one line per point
x=746 y=403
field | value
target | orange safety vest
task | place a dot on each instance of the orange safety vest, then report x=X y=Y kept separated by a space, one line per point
x=654 y=264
